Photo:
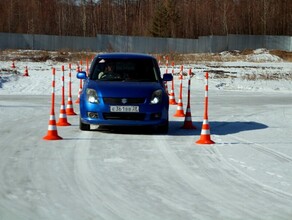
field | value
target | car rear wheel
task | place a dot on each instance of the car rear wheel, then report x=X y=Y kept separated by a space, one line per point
x=84 y=127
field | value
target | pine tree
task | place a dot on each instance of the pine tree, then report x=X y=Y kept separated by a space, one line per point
x=160 y=22
x=174 y=19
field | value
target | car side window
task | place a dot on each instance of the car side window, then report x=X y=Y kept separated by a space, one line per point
x=146 y=69
x=94 y=75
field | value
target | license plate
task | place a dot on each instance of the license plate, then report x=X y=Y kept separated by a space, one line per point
x=120 y=108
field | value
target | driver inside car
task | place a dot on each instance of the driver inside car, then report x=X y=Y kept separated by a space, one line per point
x=107 y=73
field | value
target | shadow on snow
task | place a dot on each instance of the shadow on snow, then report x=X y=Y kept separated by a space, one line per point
x=175 y=128
x=216 y=127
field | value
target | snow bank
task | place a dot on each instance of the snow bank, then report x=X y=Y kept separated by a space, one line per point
x=259 y=71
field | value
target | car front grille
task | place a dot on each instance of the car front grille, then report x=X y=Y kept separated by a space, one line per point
x=118 y=101
x=124 y=116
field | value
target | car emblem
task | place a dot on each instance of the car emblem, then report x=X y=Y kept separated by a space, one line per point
x=124 y=101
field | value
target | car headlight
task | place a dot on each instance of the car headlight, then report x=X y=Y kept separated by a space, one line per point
x=156 y=97
x=92 y=96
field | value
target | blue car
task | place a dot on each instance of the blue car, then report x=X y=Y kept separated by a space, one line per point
x=124 y=89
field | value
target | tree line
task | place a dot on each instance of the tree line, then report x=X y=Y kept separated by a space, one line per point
x=158 y=18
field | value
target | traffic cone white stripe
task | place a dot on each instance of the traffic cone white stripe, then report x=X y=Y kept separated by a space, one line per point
x=69 y=106
x=171 y=96
x=52 y=117
x=205 y=131
x=188 y=118
x=52 y=127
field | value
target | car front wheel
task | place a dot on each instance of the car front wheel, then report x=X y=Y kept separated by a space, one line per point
x=83 y=126
x=163 y=128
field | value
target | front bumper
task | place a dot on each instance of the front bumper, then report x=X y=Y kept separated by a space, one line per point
x=100 y=115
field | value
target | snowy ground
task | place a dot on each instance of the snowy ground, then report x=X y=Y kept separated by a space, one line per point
x=131 y=174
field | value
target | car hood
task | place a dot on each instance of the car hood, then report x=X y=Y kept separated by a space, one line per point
x=124 y=89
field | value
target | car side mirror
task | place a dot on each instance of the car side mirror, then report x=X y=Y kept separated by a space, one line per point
x=81 y=75
x=167 y=77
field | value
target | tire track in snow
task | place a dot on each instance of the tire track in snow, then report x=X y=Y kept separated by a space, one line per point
x=275 y=154
x=225 y=185
x=196 y=179
x=101 y=194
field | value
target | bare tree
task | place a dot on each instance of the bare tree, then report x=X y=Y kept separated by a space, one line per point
x=171 y=18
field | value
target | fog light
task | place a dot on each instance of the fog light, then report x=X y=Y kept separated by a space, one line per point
x=92 y=114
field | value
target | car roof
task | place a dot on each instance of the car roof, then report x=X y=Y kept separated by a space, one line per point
x=119 y=55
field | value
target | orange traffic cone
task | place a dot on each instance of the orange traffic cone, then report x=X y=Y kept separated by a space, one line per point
x=13 y=65
x=87 y=66
x=166 y=72
x=79 y=69
x=172 y=98
x=205 y=133
x=63 y=116
x=25 y=72
x=172 y=95
x=69 y=108
x=79 y=92
x=52 y=128
x=205 y=137
x=180 y=111
x=188 y=124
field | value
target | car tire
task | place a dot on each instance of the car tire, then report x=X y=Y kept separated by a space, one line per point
x=163 y=128
x=84 y=127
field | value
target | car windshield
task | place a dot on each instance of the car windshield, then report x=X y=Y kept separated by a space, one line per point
x=136 y=70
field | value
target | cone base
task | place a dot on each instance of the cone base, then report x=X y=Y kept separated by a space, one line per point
x=179 y=114
x=71 y=113
x=172 y=102
x=204 y=140
x=188 y=126
x=52 y=137
x=63 y=124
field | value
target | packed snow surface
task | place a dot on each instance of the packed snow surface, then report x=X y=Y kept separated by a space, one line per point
x=133 y=174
